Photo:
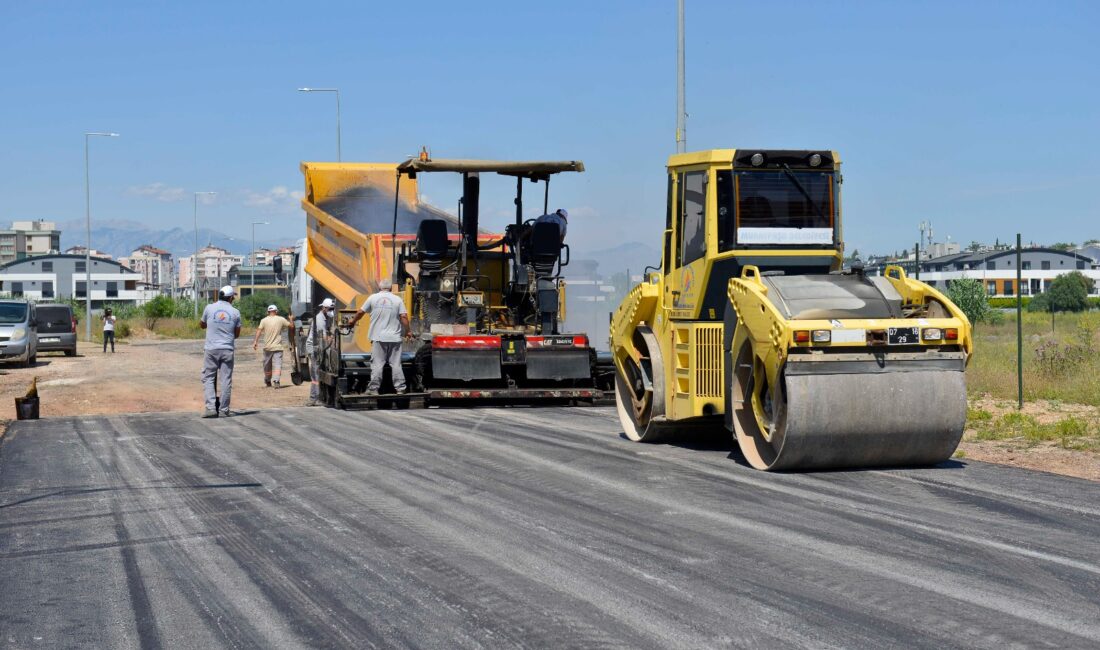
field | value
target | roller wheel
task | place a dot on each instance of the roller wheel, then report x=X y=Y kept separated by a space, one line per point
x=759 y=410
x=640 y=407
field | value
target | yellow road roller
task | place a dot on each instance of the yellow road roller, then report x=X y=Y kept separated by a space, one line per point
x=752 y=322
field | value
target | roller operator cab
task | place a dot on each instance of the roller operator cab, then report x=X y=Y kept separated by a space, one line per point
x=751 y=322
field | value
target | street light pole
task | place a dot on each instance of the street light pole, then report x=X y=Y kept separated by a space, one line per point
x=195 y=260
x=253 y=265
x=88 y=226
x=330 y=90
x=681 y=109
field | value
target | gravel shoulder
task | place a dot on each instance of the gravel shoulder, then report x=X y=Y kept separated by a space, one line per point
x=146 y=375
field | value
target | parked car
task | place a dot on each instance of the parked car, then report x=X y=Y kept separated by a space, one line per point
x=18 y=332
x=56 y=329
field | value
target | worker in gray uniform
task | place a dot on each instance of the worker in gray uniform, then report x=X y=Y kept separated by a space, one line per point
x=389 y=326
x=319 y=340
x=222 y=323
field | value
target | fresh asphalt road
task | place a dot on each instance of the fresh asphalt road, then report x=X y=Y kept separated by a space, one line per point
x=516 y=528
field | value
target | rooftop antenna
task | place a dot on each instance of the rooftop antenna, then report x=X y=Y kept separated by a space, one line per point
x=925 y=231
x=681 y=109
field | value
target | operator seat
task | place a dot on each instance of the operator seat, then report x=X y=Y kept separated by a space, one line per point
x=545 y=249
x=431 y=244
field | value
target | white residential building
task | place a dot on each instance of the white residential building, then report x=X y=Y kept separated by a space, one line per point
x=53 y=277
x=213 y=269
x=154 y=264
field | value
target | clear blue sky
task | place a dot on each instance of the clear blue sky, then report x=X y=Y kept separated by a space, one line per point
x=983 y=117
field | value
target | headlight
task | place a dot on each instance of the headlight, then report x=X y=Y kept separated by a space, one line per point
x=932 y=334
x=757 y=159
x=18 y=333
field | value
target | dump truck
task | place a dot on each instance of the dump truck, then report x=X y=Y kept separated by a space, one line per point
x=752 y=322
x=486 y=309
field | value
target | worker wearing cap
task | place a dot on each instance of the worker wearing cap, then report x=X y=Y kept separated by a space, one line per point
x=270 y=330
x=389 y=325
x=559 y=217
x=222 y=323
x=318 y=340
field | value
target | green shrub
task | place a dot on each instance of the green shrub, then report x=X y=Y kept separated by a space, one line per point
x=158 y=308
x=975 y=417
x=1072 y=427
x=185 y=308
x=123 y=329
x=254 y=307
x=1069 y=292
x=1040 y=302
x=1008 y=303
x=969 y=295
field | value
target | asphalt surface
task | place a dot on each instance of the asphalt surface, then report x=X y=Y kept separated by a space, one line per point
x=516 y=528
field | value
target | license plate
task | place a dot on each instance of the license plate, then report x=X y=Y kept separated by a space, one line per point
x=902 y=335
x=51 y=340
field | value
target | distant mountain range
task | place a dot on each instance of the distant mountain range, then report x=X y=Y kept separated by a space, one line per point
x=120 y=238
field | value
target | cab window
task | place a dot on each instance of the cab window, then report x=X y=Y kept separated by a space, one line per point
x=693 y=201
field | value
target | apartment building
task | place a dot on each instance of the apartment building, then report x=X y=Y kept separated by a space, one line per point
x=154 y=264
x=263 y=256
x=212 y=270
x=27 y=239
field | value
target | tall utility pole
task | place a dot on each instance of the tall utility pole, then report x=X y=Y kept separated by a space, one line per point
x=88 y=225
x=195 y=260
x=681 y=108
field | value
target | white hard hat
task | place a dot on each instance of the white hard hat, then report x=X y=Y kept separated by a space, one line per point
x=564 y=213
x=228 y=290
x=327 y=302
x=272 y=308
